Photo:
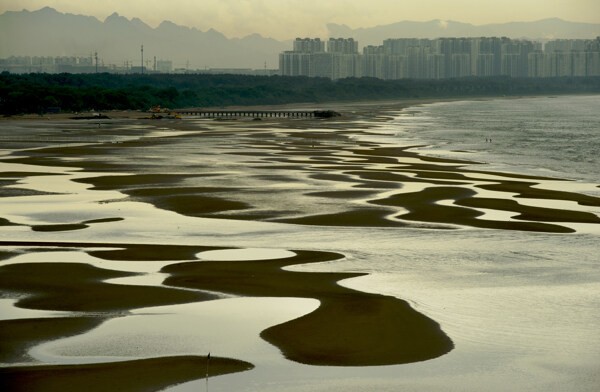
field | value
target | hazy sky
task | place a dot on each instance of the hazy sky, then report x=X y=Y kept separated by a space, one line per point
x=286 y=19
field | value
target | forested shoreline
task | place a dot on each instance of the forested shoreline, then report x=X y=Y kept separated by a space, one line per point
x=35 y=93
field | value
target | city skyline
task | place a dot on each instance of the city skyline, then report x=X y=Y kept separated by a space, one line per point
x=396 y=58
x=441 y=58
x=239 y=18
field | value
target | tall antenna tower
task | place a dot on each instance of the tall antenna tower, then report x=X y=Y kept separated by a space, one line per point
x=96 y=56
x=142 y=59
x=154 y=63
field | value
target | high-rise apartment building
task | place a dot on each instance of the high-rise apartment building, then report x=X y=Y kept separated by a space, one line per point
x=309 y=45
x=373 y=60
x=592 y=63
x=305 y=59
x=342 y=46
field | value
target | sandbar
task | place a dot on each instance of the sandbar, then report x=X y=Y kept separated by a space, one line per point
x=152 y=374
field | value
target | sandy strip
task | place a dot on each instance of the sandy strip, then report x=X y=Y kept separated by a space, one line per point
x=119 y=251
x=79 y=287
x=531 y=213
x=360 y=217
x=526 y=190
x=423 y=208
x=142 y=375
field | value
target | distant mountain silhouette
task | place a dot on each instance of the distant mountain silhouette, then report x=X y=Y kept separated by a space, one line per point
x=545 y=29
x=47 y=32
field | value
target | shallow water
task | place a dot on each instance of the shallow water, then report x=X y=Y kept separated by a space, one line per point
x=556 y=137
x=520 y=307
x=229 y=327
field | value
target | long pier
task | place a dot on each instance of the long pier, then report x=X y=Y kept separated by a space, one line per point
x=216 y=113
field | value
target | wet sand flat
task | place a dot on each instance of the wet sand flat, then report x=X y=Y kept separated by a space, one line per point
x=239 y=171
x=354 y=169
x=383 y=330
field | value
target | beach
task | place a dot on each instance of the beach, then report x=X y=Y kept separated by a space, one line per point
x=378 y=260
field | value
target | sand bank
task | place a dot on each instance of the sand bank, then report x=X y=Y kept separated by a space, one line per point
x=151 y=374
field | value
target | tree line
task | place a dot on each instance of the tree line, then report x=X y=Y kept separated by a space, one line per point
x=35 y=92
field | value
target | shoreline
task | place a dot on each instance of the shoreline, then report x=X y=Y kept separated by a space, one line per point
x=136 y=114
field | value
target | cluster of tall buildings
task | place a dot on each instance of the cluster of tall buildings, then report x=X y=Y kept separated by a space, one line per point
x=309 y=58
x=441 y=58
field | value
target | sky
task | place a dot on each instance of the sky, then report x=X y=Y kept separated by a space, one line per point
x=287 y=19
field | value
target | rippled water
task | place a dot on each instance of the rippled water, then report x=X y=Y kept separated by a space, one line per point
x=558 y=137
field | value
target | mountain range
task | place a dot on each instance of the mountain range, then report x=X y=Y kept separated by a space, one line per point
x=47 y=32
x=542 y=30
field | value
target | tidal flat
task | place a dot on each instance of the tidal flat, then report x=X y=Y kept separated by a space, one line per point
x=300 y=253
